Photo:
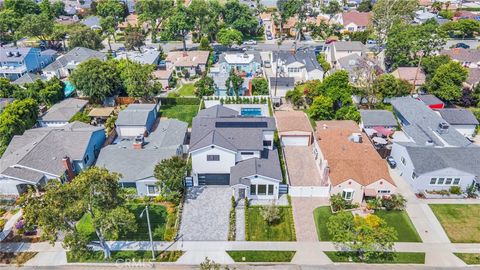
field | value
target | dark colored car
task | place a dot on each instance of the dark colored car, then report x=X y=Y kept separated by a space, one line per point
x=462 y=45
x=391 y=162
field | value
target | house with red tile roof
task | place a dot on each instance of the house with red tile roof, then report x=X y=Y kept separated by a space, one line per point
x=353 y=21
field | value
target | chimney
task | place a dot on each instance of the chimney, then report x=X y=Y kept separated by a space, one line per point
x=456 y=50
x=68 y=168
x=138 y=142
x=185 y=54
x=292 y=52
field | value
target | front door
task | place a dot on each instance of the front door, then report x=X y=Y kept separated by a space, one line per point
x=241 y=193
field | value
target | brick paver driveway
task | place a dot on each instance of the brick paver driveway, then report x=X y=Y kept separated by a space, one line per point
x=302 y=170
x=205 y=214
x=303 y=217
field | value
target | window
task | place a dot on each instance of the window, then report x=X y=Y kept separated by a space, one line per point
x=440 y=181
x=85 y=160
x=253 y=190
x=270 y=189
x=262 y=189
x=383 y=191
x=456 y=181
x=433 y=181
x=404 y=162
x=152 y=189
x=247 y=153
x=213 y=157
x=414 y=175
x=267 y=143
x=347 y=194
x=449 y=181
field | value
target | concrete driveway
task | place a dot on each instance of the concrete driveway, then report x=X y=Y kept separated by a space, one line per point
x=205 y=214
x=302 y=170
x=303 y=207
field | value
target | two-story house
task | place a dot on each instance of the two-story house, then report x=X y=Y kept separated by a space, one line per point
x=340 y=49
x=302 y=65
x=42 y=154
x=65 y=64
x=469 y=58
x=234 y=150
x=353 y=21
x=16 y=62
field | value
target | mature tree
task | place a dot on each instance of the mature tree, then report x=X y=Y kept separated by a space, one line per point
x=52 y=91
x=7 y=88
x=137 y=79
x=366 y=236
x=362 y=36
x=134 y=38
x=94 y=192
x=109 y=26
x=365 y=6
x=113 y=8
x=437 y=6
x=170 y=174
x=10 y=22
x=204 y=44
x=407 y=43
x=430 y=64
x=85 y=37
x=155 y=12
x=229 y=37
x=205 y=16
x=365 y=73
x=321 y=108
x=295 y=96
x=293 y=8
x=388 y=13
x=348 y=113
x=234 y=83
x=323 y=63
x=240 y=17
x=38 y=26
x=271 y=213
x=465 y=28
x=336 y=86
x=21 y=7
x=333 y=7
x=387 y=86
x=178 y=25
x=96 y=79
x=259 y=86
x=52 y=10
x=204 y=87
x=447 y=81
x=324 y=30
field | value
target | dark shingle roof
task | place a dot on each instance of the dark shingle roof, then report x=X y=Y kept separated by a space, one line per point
x=282 y=82
x=306 y=57
x=135 y=115
x=458 y=116
x=64 y=110
x=268 y=166
x=378 y=118
x=429 y=99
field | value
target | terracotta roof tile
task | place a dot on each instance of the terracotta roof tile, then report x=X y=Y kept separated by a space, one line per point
x=358 y=18
x=292 y=121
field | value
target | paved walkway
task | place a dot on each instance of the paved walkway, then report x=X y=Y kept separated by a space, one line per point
x=10 y=224
x=240 y=223
x=205 y=213
x=302 y=208
x=301 y=167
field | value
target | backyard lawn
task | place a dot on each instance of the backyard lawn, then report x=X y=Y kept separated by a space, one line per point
x=461 y=222
x=187 y=90
x=257 y=228
x=181 y=112
x=395 y=257
x=137 y=255
x=469 y=258
x=261 y=256
x=396 y=219
x=158 y=220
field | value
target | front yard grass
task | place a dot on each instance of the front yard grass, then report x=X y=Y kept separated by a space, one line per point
x=397 y=219
x=469 y=258
x=259 y=230
x=261 y=255
x=460 y=221
x=393 y=258
x=17 y=258
x=119 y=256
x=181 y=112
x=158 y=220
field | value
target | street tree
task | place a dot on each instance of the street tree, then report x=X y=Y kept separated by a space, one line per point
x=134 y=38
x=112 y=8
x=333 y=7
x=229 y=36
x=155 y=12
x=234 y=83
x=109 y=27
x=447 y=82
x=96 y=79
x=95 y=192
x=10 y=22
x=178 y=25
x=170 y=174
x=37 y=26
x=240 y=17
x=366 y=236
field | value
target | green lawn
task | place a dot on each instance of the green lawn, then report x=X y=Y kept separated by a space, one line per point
x=138 y=255
x=181 y=112
x=187 y=90
x=261 y=256
x=158 y=219
x=394 y=257
x=396 y=219
x=469 y=258
x=402 y=224
x=259 y=230
x=461 y=222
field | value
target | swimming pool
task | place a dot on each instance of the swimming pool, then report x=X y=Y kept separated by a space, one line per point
x=251 y=111
x=68 y=89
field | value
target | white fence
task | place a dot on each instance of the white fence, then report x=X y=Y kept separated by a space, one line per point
x=312 y=191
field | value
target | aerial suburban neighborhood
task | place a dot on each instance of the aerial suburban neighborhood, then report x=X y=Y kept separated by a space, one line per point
x=240 y=134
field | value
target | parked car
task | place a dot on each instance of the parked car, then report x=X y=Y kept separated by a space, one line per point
x=250 y=42
x=269 y=37
x=391 y=162
x=462 y=45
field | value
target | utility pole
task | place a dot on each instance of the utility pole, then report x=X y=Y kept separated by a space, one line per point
x=149 y=230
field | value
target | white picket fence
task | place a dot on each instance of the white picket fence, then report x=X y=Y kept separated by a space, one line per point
x=309 y=191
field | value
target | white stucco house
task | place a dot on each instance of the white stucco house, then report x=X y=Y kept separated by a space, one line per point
x=302 y=65
x=462 y=120
x=136 y=119
x=234 y=150
x=341 y=49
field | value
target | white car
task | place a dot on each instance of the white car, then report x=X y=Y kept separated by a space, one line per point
x=250 y=42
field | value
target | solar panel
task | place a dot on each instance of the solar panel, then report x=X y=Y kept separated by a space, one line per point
x=241 y=124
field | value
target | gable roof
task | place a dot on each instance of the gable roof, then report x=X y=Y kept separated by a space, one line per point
x=217 y=112
x=146 y=57
x=268 y=166
x=358 y=18
x=458 y=116
x=234 y=58
x=75 y=56
x=463 y=55
x=378 y=118
x=64 y=110
x=188 y=59
x=135 y=115
x=349 y=46
x=410 y=74
x=305 y=57
x=473 y=76
x=292 y=121
x=421 y=123
x=29 y=78
x=23 y=51
x=347 y=159
x=429 y=99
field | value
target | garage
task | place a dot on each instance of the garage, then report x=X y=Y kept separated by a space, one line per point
x=295 y=140
x=130 y=131
x=213 y=179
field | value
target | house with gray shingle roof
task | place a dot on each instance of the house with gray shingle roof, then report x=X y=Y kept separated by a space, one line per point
x=302 y=65
x=136 y=119
x=29 y=78
x=340 y=49
x=234 y=150
x=60 y=114
x=377 y=118
x=462 y=120
x=42 y=154
x=65 y=64
x=135 y=158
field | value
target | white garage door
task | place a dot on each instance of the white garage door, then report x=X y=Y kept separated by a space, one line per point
x=125 y=131
x=295 y=140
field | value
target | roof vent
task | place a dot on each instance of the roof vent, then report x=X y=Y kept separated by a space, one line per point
x=9 y=54
x=355 y=137
x=429 y=143
x=443 y=128
x=17 y=54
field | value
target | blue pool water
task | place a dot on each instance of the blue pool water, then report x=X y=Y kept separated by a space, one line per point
x=251 y=112
x=69 y=88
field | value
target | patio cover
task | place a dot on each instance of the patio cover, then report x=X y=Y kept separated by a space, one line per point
x=379 y=140
x=101 y=112
x=384 y=131
x=370 y=131
x=370 y=192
